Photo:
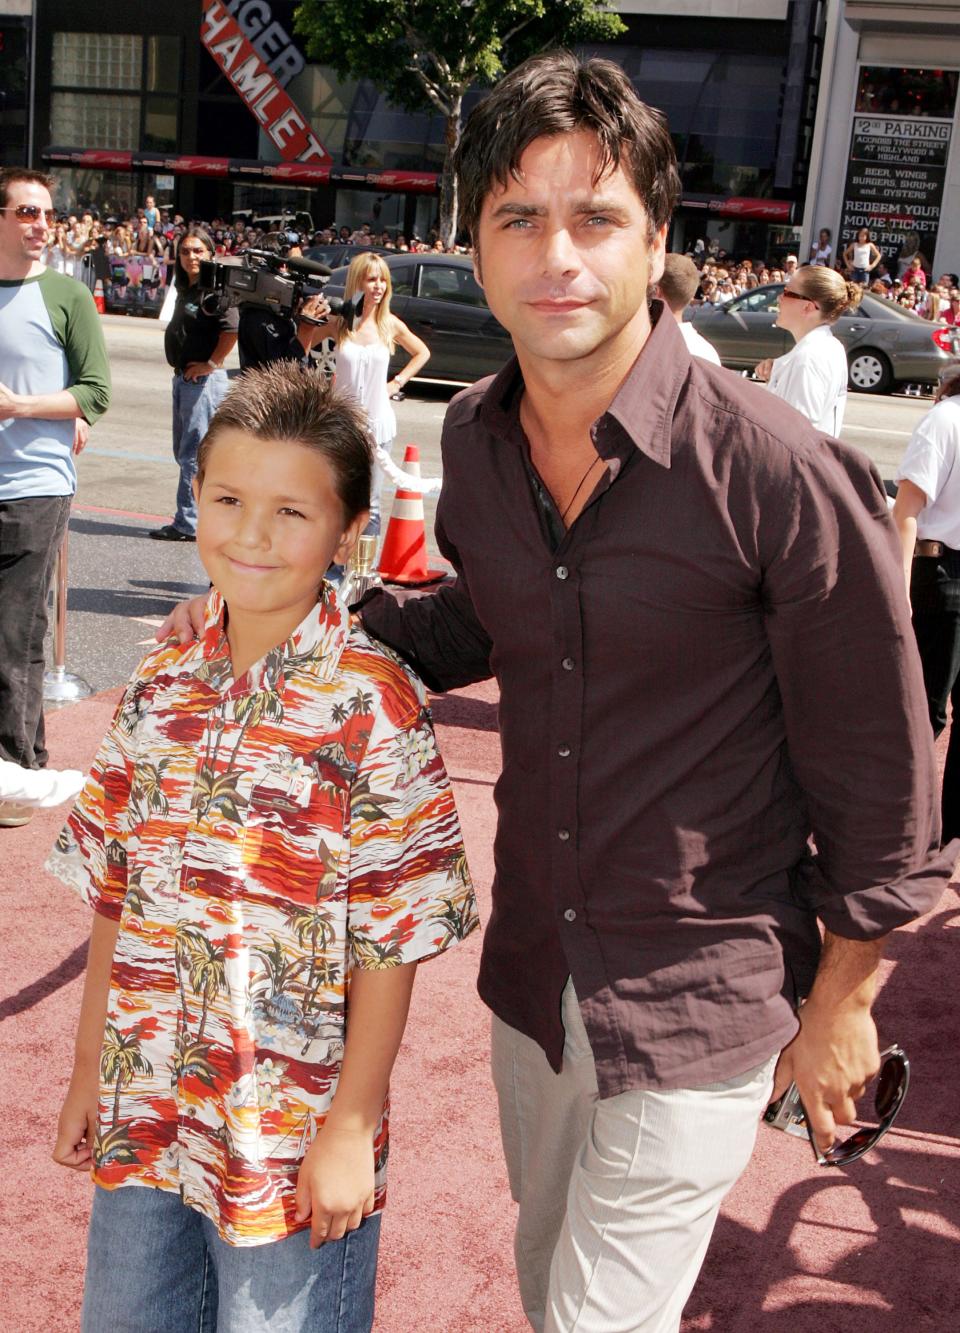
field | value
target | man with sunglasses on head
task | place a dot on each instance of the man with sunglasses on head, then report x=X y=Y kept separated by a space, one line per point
x=54 y=383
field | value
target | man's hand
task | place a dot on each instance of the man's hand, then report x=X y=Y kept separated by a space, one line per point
x=81 y=433
x=763 y=369
x=196 y=370
x=831 y=1060
x=335 y=1187
x=185 y=621
x=77 y=1126
x=317 y=308
x=10 y=404
x=835 y=1053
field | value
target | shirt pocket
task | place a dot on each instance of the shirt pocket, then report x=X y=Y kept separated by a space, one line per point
x=294 y=833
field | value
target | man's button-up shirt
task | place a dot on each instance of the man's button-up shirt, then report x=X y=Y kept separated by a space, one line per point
x=727 y=668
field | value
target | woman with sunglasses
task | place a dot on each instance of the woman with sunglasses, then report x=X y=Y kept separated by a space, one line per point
x=812 y=377
x=196 y=343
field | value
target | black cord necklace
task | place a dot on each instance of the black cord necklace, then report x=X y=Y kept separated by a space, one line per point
x=573 y=497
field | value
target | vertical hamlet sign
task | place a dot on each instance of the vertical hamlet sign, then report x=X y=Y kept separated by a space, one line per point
x=895 y=181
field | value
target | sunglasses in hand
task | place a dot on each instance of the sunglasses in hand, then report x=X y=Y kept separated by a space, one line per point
x=787 y=1112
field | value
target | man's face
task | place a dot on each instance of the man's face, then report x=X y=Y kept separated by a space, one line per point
x=22 y=242
x=565 y=260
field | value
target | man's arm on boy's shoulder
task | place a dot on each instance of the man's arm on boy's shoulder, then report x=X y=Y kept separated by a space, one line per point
x=439 y=634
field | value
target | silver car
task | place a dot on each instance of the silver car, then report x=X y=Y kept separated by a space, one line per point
x=886 y=344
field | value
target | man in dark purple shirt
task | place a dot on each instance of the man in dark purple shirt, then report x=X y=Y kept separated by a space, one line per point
x=693 y=605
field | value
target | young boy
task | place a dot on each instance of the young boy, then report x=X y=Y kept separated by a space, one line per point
x=269 y=841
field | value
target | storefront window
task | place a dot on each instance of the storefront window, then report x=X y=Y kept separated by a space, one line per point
x=160 y=124
x=896 y=172
x=163 y=65
x=100 y=121
x=97 y=60
x=907 y=92
x=89 y=107
x=14 y=66
x=719 y=108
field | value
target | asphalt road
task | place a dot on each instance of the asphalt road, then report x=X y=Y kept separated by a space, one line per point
x=121 y=584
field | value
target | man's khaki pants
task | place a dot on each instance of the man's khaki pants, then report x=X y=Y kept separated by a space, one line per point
x=618 y=1198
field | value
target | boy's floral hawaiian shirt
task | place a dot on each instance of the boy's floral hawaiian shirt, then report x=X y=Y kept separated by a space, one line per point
x=257 y=839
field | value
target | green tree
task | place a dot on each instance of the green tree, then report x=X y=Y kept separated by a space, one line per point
x=428 y=53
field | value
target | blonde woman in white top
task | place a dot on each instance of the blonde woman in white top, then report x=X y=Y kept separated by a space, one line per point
x=363 y=357
x=813 y=376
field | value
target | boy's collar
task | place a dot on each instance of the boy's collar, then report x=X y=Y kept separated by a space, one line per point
x=315 y=646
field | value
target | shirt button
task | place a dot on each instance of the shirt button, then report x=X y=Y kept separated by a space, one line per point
x=569 y=915
x=564 y=751
x=563 y=834
x=562 y=572
x=568 y=664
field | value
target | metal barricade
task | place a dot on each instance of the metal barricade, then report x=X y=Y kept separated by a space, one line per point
x=60 y=686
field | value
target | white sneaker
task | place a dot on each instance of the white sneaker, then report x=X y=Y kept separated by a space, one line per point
x=14 y=814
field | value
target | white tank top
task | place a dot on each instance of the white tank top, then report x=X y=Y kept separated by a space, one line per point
x=362 y=372
x=861 y=255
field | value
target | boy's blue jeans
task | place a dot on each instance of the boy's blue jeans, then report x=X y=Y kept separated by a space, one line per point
x=156 y=1266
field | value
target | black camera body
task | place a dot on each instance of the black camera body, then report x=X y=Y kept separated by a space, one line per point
x=272 y=281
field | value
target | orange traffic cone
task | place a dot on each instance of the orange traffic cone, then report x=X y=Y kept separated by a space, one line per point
x=404 y=555
x=98 y=298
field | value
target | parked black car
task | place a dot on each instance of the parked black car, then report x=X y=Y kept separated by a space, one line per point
x=338 y=255
x=441 y=301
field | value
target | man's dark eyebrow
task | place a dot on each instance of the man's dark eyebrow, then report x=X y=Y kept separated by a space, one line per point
x=519 y=210
x=599 y=205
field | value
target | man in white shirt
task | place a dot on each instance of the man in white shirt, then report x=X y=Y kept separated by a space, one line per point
x=676 y=289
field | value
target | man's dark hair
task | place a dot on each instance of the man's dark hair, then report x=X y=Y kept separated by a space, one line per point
x=557 y=93
x=679 y=282
x=283 y=401
x=11 y=175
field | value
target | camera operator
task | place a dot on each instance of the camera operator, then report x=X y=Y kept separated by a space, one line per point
x=196 y=343
x=269 y=335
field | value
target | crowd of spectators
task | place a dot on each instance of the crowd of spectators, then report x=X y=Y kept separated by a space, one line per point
x=911 y=283
x=154 y=233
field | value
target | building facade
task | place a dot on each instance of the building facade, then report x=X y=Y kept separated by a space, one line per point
x=886 y=148
x=212 y=106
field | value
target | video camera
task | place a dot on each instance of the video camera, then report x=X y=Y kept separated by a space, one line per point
x=274 y=281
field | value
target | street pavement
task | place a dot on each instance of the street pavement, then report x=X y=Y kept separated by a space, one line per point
x=121 y=584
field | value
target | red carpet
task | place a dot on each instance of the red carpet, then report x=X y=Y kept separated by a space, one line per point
x=797 y=1248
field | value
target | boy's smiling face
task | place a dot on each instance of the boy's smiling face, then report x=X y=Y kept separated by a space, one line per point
x=269 y=525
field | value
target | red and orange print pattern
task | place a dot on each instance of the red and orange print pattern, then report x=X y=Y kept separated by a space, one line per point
x=257 y=839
